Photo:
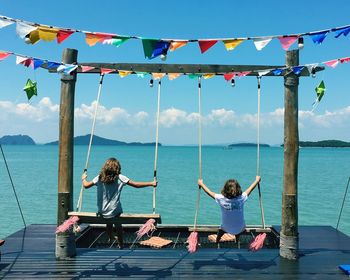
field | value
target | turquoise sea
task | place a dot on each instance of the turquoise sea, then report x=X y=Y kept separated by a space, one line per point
x=323 y=175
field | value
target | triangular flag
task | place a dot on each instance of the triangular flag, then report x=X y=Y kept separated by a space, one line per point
x=30 y=89
x=24 y=60
x=5 y=22
x=63 y=35
x=148 y=47
x=229 y=76
x=277 y=71
x=287 y=41
x=158 y=76
x=106 y=70
x=117 y=41
x=318 y=37
x=66 y=68
x=24 y=29
x=208 y=76
x=3 y=55
x=205 y=45
x=344 y=59
x=52 y=65
x=194 y=76
x=232 y=44
x=297 y=69
x=311 y=67
x=332 y=63
x=342 y=31
x=243 y=74
x=177 y=44
x=34 y=36
x=92 y=39
x=160 y=48
x=86 y=68
x=141 y=74
x=47 y=34
x=123 y=74
x=37 y=63
x=173 y=76
x=263 y=72
x=261 y=42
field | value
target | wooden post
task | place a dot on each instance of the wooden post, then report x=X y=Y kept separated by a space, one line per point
x=289 y=240
x=65 y=242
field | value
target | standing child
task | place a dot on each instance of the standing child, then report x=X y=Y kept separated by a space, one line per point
x=231 y=201
x=109 y=186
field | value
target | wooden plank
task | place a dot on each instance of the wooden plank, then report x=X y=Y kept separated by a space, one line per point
x=183 y=68
x=124 y=218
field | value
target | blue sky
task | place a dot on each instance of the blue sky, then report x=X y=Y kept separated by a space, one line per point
x=128 y=105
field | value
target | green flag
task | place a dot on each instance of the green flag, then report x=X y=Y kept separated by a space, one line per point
x=30 y=89
x=320 y=90
x=117 y=41
x=148 y=47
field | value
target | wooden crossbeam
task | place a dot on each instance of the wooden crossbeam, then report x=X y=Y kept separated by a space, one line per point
x=124 y=218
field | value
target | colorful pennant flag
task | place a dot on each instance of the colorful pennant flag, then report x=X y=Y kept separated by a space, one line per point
x=243 y=74
x=30 y=88
x=148 y=47
x=277 y=72
x=343 y=31
x=229 y=76
x=34 y=36
x=106 y=70
x=261 y=42
x=194 y=76
x=297 y=69
x=287 y=41
x=205 y=45
x=24 y=29
x=63 y=35
x=66 y=68
x=264 y=72
x=318 y=37
x=161 y=47
x=47 y=34
x=208 y=76
x=158 y=76
x=3 y=55
x=5 y=22
x=86 y=68
x=37 y=63
x=24 y=60
x=52 y=65
x=141 y=74
x=177 y=44
x=344 y=59
x=332 y=63
x=117 y=41
x=123 y=74
x=232 y=44
x=173 y=76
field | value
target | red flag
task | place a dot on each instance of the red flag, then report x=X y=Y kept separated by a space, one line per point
x=3 y=55
x=206 y=44
x=229 y=76
x=63 y=35
x=106 y=70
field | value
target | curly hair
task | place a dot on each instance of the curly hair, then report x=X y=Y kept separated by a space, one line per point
x=110 y=171
x=231 y=189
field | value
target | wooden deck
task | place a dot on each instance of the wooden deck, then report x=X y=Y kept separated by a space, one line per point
x=30 y=255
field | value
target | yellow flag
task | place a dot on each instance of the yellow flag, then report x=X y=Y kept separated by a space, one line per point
x=34 y=36
x=92 y=39
x=208 y=76
x=173 y=76
x=123 y=74
x=158 y=76
x=47 y=34
x=232 y=44
x=177 y=44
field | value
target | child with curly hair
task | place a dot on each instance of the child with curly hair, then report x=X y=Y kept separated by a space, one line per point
x=231 y=201
x=110 y=183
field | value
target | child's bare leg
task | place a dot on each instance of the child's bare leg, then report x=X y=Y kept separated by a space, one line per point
x=119 y=231
x=109 y=229
x=219 y=235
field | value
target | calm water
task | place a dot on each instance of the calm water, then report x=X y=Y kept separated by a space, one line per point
x=323 y=174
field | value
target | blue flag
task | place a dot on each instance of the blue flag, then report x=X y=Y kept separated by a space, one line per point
x=318 y=38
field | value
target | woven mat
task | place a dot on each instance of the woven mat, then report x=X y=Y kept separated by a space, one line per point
x=225 y=238
x=156 y=242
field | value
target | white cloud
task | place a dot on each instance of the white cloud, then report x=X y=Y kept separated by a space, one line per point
x=175 y=117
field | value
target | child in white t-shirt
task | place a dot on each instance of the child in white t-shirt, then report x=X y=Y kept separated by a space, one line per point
x=109 y=185
x=231 y=201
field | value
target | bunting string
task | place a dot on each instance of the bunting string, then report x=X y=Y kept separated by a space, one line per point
x=67 y=69
x=32 y=33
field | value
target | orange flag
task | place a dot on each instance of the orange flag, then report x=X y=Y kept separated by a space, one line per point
x=123 y=74
x=177 y=44
x=173 y=76
x=232 y=44
x=158 y=76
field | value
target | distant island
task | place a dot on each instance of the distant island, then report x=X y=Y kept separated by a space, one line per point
x=325 y=144
x=247 y=145
x=16 y=140
x=97 y=140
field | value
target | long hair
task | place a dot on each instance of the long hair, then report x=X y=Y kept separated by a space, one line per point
x=110 y=171
x=231 y=189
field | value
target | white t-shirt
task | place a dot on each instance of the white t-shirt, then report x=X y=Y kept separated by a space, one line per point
x=108 y=196
x=232 y=213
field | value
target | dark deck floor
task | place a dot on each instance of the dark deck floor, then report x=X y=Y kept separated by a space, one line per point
x=322 y=249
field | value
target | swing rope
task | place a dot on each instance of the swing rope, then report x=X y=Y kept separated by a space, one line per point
x=193 y=239
x=80 y=200
x=258 y=153
x=156 y=145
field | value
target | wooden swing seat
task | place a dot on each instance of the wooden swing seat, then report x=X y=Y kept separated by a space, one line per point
x=156 y=242
x=124 y=218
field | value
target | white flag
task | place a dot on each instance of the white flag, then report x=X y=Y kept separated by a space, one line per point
x=261 y=42
x=24 y=29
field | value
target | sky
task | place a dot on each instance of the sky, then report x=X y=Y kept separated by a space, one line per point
x=127 y=110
